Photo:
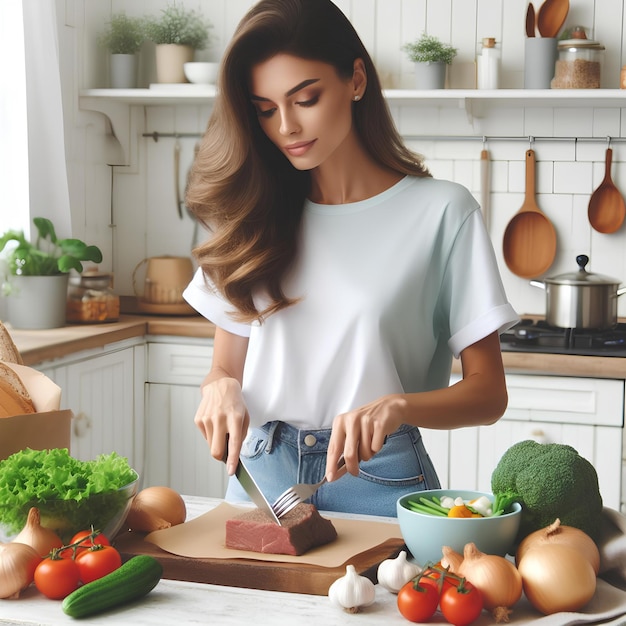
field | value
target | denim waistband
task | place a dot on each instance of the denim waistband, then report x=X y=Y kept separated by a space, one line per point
x=311 y=440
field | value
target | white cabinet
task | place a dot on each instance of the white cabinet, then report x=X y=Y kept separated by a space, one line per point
x=105 y=392
x=586 y=413
x=176 y=453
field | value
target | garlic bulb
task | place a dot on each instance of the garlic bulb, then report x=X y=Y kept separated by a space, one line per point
x=352 y=591
x=393 y=574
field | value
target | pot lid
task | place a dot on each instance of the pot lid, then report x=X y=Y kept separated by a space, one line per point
x=582 y=276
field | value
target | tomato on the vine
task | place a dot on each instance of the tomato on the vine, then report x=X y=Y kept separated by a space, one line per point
x=418 y=602
x=84 y=539
x=57 y=577
x=435 y=575
x=461 y=604
x=96 y=562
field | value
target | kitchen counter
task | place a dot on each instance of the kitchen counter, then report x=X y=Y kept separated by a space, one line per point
x=36 y=346
x=174 y=602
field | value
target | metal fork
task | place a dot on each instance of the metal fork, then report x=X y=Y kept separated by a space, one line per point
x=291 y=497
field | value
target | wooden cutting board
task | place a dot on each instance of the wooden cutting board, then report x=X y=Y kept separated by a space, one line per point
x=251 y=574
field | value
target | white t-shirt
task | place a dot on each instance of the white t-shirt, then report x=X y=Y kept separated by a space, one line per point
x=391 y=288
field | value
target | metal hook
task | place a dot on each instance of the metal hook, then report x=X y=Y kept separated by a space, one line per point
x=530 y=142
x=608 y=141
x=484 y=142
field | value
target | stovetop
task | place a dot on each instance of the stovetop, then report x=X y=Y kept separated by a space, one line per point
x=531 y=335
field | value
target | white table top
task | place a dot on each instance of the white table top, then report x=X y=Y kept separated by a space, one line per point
x=176 y=603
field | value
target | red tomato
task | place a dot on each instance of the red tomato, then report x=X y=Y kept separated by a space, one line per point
x=85 y=540
x=418 y=603
x=57 y=578
x=97 y=562
x=461 y=605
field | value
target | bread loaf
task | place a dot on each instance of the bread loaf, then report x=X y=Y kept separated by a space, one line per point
x=14 y=397
x=8 y=349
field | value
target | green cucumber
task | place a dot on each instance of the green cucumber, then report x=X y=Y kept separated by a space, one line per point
x=132 y=580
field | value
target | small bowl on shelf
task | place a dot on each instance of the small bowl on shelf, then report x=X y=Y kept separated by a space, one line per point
x=425 y=534
x=201 y=73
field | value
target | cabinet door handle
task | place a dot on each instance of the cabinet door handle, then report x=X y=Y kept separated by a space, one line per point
x=82 y=423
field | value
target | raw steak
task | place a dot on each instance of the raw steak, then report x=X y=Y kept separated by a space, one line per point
x=301 y=529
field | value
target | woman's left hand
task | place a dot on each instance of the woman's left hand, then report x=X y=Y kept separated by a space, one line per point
x=359 y=434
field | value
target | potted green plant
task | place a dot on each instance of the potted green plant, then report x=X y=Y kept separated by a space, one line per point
x=431 y=57
x=38 y=273
x=123 y=38
x=177 y=33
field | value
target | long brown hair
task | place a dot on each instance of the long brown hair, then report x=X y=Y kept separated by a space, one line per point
x=241 y=187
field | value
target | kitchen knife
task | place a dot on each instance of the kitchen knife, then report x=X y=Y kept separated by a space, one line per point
x=252 y=489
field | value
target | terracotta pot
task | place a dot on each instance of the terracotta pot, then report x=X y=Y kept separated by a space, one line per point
x=170 y=62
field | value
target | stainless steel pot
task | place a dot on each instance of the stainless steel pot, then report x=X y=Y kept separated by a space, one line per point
x=581 y=299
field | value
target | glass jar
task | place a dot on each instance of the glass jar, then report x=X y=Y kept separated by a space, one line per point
x=488 y=65
x=579 y=63
x=90 y=299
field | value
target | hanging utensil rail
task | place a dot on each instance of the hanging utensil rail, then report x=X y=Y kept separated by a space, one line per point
x=156 y=135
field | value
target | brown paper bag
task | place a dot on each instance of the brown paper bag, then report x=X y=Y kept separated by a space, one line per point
x=46 y=429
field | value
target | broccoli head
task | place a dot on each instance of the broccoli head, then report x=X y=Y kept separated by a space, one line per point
x=550 y=481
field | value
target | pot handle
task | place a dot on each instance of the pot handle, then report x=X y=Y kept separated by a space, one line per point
x=538 y=283
x=621 y=291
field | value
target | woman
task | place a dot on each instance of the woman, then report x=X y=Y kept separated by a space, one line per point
x=340 y=275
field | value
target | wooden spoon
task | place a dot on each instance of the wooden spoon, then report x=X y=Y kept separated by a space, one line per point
x=606 y=205
x=530 y=238
x=530 y=20
x=551 y=16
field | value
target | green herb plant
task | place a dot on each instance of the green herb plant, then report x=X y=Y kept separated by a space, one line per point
x=74 y=493
x=123 y=35
x=429 y=49
x=181 y=26
x=47 y=255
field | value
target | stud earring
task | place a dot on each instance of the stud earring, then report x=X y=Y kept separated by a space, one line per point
x=356 y=98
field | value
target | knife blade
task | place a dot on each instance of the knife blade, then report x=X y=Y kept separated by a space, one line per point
x=252 y=489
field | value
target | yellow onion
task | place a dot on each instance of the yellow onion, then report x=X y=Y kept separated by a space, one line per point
x=566 y=535
x=43 y=540
x=557 y=578
x=17 y=568
x=451 y=559
x=155 y=508
x=497 y=578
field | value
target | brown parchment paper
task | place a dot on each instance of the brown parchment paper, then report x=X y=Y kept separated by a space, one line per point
x=203 y=537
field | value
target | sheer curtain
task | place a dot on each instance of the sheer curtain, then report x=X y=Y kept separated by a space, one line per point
x=33 y=172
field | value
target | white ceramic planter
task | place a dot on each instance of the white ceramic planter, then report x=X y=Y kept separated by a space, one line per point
x=430 y=75
x=38 y=302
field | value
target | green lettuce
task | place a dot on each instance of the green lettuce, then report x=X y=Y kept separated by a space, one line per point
x=70 y=493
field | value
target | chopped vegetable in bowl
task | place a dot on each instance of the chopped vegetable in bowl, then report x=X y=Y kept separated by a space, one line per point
x=71 y=494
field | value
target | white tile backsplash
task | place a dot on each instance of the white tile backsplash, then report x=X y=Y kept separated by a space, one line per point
x=140 y=203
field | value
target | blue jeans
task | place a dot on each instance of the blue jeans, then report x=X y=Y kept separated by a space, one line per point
x=278 y=456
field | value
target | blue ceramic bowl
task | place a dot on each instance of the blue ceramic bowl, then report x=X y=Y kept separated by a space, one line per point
x=425 y=534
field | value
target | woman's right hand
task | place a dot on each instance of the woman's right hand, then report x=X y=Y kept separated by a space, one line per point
x=223 y=419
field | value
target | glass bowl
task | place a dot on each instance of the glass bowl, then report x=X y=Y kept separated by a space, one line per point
x=105 y=511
